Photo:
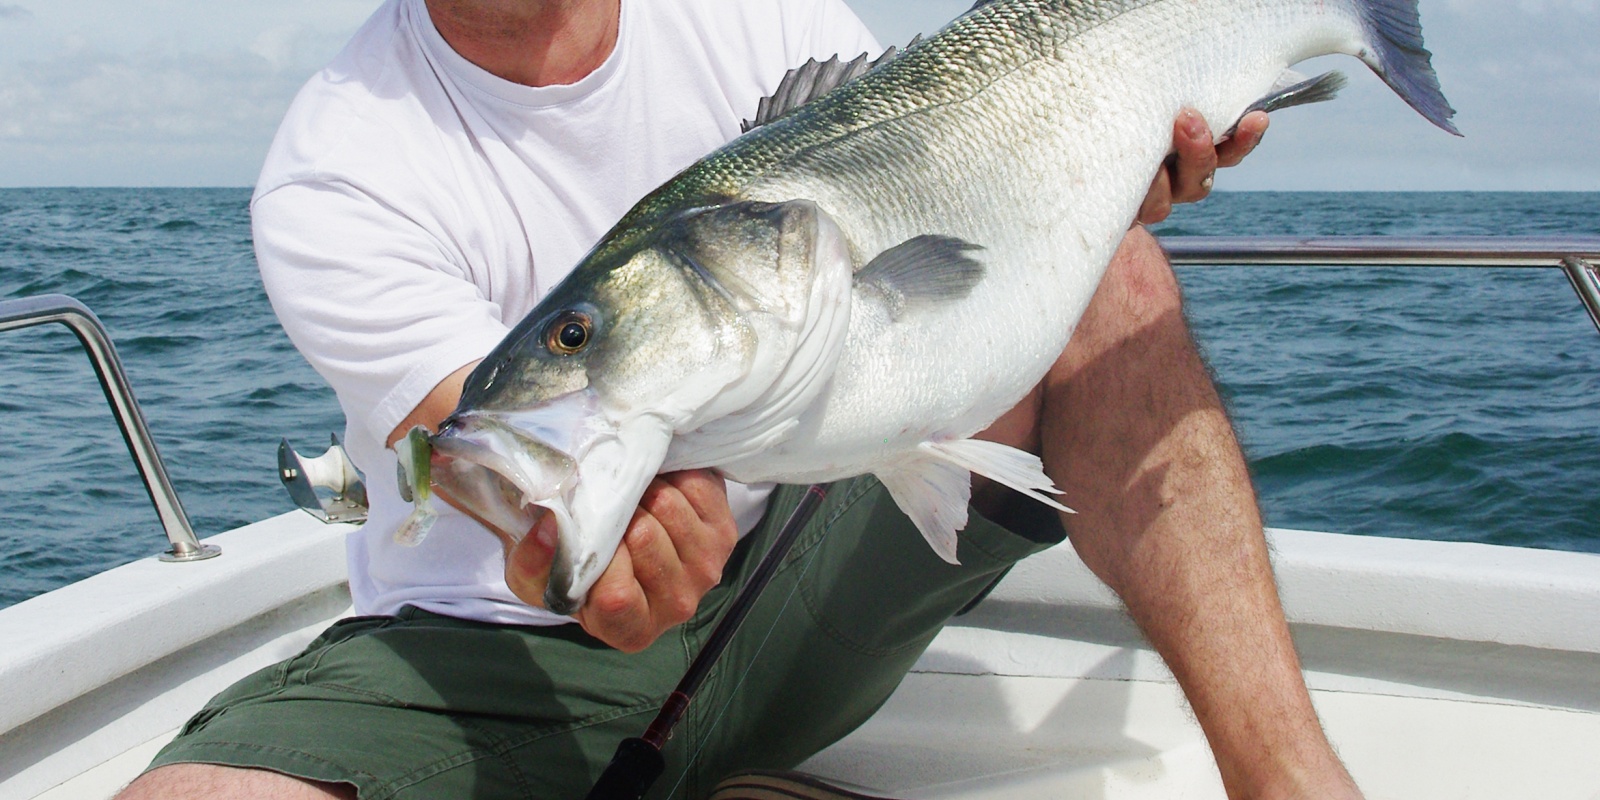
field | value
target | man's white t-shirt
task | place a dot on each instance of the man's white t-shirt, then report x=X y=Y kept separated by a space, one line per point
x=414 y=207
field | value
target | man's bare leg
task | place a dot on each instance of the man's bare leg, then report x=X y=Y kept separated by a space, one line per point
x=221 y=783
x=1131 y=428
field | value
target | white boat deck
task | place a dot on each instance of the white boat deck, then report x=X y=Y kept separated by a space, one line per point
x=1441 y=670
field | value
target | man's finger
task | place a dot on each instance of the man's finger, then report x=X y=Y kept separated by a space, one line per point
x=616 y=611
x=1196 y=158
x=1158 y=201
x=698 y=501
x=670 y=595
x=1245 y=138
x=528 y=561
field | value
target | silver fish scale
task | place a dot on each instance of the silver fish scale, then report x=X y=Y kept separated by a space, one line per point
x=1027 y=132
x=967 y=56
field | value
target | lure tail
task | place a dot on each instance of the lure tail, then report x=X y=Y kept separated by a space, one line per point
x=416 y=485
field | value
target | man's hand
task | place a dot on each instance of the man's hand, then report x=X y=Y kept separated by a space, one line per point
x=1187 y=174
x=671 y=556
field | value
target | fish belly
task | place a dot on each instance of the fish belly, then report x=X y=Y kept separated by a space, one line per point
x=1044 y=168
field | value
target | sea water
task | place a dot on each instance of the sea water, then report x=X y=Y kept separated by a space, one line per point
x=1458 y=404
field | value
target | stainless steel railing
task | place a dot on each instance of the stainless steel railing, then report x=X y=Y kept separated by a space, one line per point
x=1577 y=256
x=29 y=311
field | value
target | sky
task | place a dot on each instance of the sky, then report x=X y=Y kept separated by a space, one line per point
x=189 y=92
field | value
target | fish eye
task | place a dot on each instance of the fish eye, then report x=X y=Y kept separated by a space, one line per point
x=568 y=333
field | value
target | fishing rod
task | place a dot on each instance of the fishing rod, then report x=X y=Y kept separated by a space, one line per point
x=638 y=761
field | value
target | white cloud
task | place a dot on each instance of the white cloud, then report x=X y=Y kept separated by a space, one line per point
x=113 y=103
x=189 y=91
x=1524 y=77
x=895 y=22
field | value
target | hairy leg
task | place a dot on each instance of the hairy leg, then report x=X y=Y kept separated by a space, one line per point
x=1131 y=428
x=215 y=782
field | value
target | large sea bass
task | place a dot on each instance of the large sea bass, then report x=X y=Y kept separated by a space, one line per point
x=867 y=281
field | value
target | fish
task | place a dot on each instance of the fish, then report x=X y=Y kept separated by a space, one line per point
x=879 y=269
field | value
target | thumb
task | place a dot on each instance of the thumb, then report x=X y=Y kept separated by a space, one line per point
x=528 y=561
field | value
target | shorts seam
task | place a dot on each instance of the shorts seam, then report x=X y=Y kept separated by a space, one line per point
x=196 y=756
x=845 y=641
x=858 y=490
x=500 y=750
x=387 y=699
x=1003 y=559
x=322 y=652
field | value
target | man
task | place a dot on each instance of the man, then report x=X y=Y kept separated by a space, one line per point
x=442 y=174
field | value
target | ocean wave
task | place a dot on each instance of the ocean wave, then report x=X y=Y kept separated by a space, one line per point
x=1455 y=404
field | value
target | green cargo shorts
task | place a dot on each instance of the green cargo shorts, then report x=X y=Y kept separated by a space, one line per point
x=425 y=706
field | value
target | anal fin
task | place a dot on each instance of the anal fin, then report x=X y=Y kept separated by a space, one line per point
x=1294 y=89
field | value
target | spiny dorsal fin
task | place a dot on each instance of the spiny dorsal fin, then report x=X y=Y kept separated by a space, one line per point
x=811 y=80
x=1294 y=89
x=922 y=270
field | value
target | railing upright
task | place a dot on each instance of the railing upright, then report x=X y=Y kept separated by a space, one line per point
x=29 y=311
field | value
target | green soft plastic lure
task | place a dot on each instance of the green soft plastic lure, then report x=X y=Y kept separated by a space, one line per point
x=414 y=450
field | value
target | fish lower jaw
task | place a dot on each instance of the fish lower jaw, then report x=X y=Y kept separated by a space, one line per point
x=569 y=583
x=558 y=603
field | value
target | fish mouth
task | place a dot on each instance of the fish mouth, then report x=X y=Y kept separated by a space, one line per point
x=565 y=457
x=497 y=474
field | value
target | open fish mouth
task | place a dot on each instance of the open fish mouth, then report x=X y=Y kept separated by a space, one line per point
x=498 y=474
x=565 y=457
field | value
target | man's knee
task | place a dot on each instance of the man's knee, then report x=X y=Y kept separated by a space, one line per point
x=220 y=782
x=1139 y=286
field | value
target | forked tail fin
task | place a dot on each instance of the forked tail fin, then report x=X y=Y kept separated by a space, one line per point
x=1397 y=55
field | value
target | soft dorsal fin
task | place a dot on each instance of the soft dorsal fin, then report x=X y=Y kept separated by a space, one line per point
x=922 y=270
x=1294 y=89
x=811 y=80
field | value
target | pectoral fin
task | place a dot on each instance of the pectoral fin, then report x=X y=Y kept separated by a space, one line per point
x=921 y=271
x=416 y=486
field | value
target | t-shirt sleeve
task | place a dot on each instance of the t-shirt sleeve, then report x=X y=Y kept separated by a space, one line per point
x=372 y=299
